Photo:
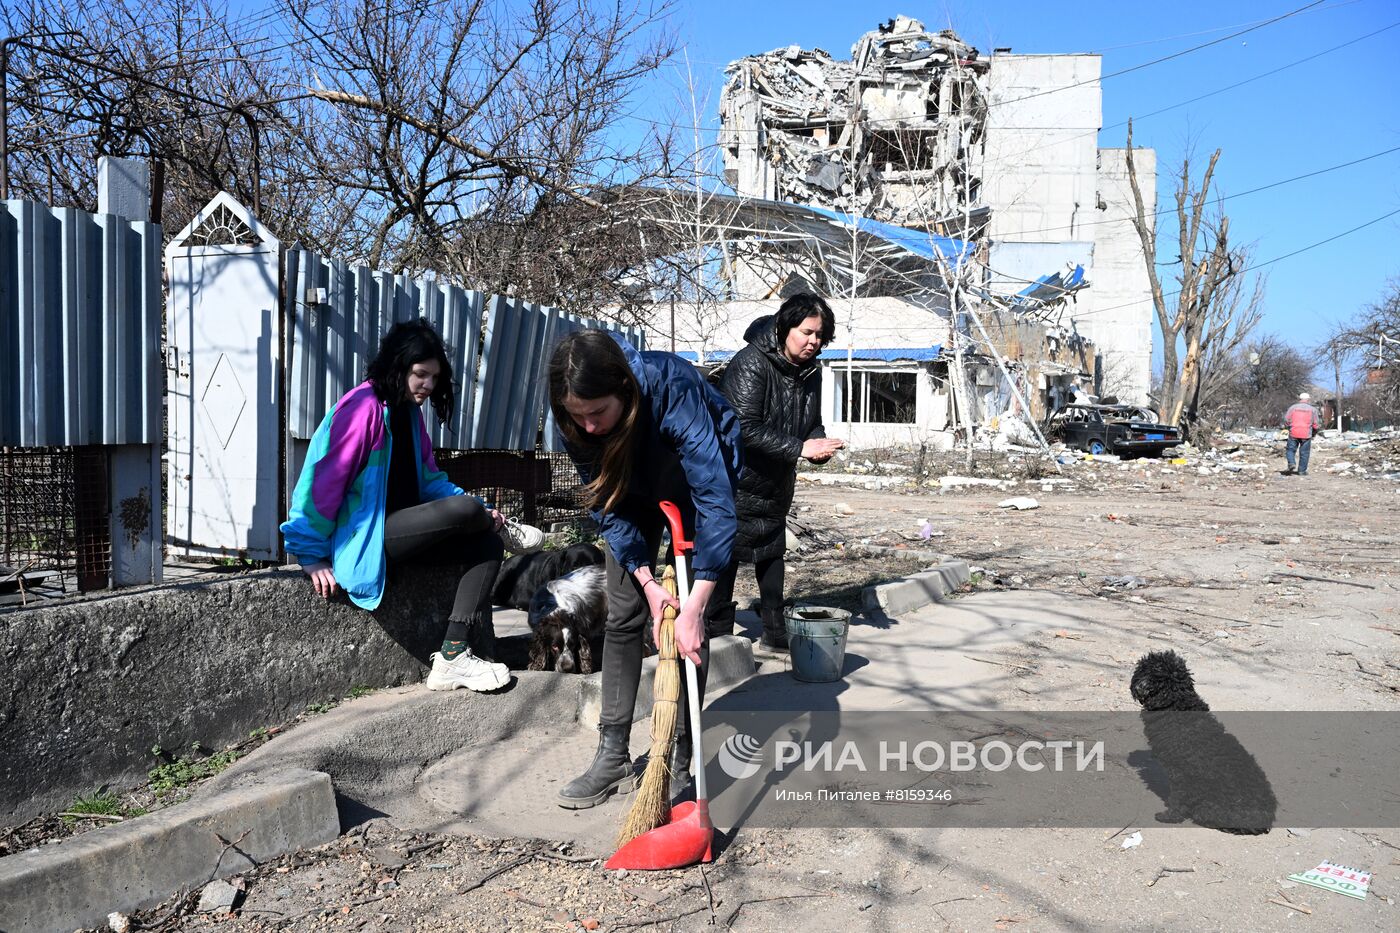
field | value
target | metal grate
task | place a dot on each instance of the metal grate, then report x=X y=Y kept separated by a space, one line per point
x=53 y=516
x=564 y=501
x=539 y=488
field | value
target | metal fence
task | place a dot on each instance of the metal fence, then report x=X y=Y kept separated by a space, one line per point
x=498 y=347
x=80 y=309
x=80 y=366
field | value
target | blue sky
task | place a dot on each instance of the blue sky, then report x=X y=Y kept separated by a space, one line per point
x=1335 y=108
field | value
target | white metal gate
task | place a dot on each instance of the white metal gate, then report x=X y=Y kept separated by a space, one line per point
x=223 y=385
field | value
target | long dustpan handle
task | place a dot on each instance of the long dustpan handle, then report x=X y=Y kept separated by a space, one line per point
x=692 y=695
x=680 y=547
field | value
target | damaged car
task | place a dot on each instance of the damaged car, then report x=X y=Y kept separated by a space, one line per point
x=1125 y=430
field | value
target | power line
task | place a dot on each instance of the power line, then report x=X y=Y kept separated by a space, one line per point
x=1227 y=197
x=1257 y=265
x=1200 y=97
x=1311 y=7
x=1158 y=61
x=1206 y=32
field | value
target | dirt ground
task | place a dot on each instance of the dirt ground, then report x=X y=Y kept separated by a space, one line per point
x=1290 y=583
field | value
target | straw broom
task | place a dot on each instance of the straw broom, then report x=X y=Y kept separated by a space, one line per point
x=652 y=805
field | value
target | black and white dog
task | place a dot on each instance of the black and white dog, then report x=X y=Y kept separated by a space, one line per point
x=521 y=576
x=1212 y=779
x=567 y=615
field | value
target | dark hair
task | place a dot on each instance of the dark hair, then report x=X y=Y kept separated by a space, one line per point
x=410 y=342
x=588 y=364
x=796 y=310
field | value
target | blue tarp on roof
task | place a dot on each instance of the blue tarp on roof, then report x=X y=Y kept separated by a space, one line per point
x=912 y=354
x=915 y=241
x=1052 y=286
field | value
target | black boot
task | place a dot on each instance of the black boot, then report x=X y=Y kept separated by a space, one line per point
x=611 y=771
x=774 y=630
x=679 y=762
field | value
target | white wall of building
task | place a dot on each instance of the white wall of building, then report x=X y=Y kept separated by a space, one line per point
x=1057 y=198
x=1117 y=312
x=862 y=323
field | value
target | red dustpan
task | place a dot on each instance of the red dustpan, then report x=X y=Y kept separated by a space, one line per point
x=686 y=837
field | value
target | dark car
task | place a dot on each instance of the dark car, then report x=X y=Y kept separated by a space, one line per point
x=1126 y=430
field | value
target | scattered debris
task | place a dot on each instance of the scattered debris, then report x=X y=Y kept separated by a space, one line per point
x=1163 y=872
x=1132 y=841
x=853 y=479
x=789 y=125
x=1341 y=879
x=118 y=922
x=217 y=896
x=1283 y=901
x=844 y=508
x=1019 y=503
x=1125 y=582
x=952 y=482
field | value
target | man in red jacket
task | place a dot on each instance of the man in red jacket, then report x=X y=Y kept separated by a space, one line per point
x=1302 y=422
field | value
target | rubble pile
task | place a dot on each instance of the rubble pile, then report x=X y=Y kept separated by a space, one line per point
x=889 y=134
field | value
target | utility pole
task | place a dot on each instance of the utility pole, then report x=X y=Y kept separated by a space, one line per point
x=962 y=405
x=1337 y=369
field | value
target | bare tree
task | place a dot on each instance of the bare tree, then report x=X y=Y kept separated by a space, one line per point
x=1214 y=308
x=463 y=137
x=1370 y=345
x=1259 y=382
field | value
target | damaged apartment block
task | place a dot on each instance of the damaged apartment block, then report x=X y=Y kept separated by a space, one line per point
x=922 y=132
x=893 y=134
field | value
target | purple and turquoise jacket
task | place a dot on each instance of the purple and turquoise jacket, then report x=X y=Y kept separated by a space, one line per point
x=337 y=511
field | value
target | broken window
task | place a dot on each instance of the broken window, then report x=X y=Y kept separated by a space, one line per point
x=901 y=150
x=876 y=396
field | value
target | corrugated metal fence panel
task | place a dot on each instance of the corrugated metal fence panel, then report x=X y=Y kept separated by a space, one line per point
x=335 y=338
x=80 y=306
x=500 y=376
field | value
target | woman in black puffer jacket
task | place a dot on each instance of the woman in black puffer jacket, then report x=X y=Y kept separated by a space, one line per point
x=775 y=386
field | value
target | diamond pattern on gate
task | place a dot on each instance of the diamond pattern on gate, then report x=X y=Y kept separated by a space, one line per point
x=223 y=400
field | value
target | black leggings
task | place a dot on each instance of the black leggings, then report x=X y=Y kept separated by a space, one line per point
x=628 y=617
x=455 y=530
x=769 y=574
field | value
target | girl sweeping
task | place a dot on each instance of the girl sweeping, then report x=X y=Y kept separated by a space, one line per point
x=643 y=428
x=371 y=494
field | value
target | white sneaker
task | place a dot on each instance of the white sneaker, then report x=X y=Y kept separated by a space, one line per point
x=467 y=670
x=521 y=538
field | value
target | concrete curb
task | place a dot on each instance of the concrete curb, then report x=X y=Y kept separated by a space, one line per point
x=731 y=663
x=918 y=590
x=130 y=866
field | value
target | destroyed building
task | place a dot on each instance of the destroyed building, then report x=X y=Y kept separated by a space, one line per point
x=893 y=134
x=921 y=131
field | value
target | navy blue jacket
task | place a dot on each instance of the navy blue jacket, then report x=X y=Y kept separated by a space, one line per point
x=687 y=416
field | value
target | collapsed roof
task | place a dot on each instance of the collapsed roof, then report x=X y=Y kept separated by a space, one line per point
x=888 y=135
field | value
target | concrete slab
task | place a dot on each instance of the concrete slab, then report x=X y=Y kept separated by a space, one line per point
x=134 y=865
x=491 y=764
x=916 y=590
